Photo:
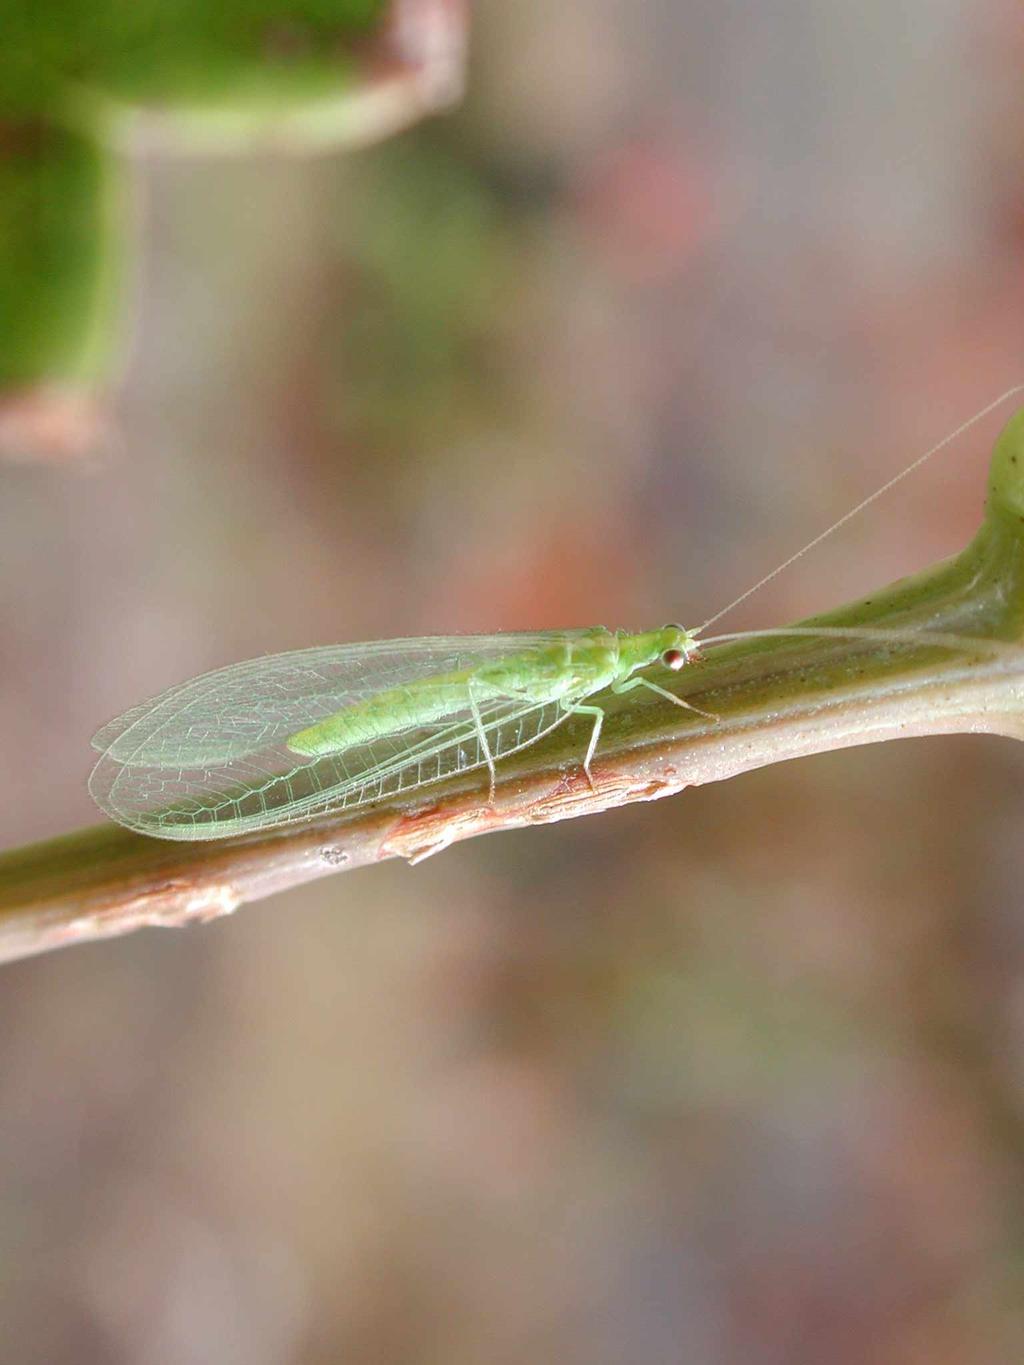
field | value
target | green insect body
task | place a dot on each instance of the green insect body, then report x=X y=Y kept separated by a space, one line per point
x=569 y=669
x=299 y=735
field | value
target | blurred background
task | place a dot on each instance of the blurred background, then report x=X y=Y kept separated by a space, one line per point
x=734 y=1078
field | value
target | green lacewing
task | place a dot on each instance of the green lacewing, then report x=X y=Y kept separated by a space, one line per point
x=297 y=736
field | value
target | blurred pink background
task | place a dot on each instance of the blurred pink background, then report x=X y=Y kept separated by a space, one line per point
x=734 y=1078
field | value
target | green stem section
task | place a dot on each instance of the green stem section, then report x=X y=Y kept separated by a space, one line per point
x=60 y=213
x=774 y=698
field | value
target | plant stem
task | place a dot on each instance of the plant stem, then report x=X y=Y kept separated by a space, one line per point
x=772 y=699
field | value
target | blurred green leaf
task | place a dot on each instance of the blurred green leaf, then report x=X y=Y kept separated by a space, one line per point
x=173 y=50
x=56 y=271
x=59 y=65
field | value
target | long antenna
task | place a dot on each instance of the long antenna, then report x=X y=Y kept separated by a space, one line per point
x=848 y=516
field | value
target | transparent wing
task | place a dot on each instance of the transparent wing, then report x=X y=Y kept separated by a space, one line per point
x=208 y=758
